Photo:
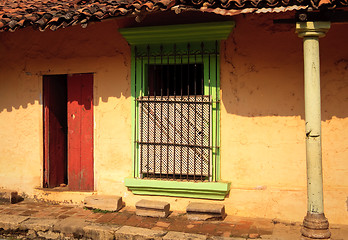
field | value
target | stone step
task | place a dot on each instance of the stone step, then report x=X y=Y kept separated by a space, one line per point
x=9 y=196
x=205 y=211
x=148 y=208
x=104 y=202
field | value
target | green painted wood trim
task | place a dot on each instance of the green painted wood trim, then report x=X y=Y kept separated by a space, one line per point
x=178 y=33
x=205 y=190
x=135 y=170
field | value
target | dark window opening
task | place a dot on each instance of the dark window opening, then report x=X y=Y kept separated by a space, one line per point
x=179 y=79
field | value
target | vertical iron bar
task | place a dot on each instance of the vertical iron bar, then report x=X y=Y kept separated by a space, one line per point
x=154 y=115
x=202 y=130
x=181 y=119
x=216 y=107
x=135 y=111
x=161 y=104
x=168 y=122
x=141 y=116
x=188 y=109
x=148 y=113
x=174 y=128
x=195 y=113
x=209 y=118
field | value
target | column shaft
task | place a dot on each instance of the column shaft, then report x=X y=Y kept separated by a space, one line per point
x=313 y=124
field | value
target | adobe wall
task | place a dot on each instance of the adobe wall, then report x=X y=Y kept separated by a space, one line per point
x=263 y=120
x=28 y=55
x=262 y=114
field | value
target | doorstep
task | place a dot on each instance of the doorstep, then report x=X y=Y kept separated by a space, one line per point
x=61 y=195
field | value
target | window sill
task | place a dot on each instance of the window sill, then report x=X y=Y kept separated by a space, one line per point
x=205 y=190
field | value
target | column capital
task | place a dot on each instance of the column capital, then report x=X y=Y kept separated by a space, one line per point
x=312 y=29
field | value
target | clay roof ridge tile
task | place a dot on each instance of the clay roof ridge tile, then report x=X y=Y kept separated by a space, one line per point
x=12 y=29
x=259 y=3
x=99 y=14
x=68 y=15
x=21 y=22
x=285 y=2
x=53 y=27
x=4 y=21
x=47 y=15
x=102 y=15
x=40 y=22
x=197 y=2
x=273 y=3
x=86 y=12
x=121 y=11
x=148 y=5
x=6 y=18
x=229 y=4
x=33 y=17
x=84 y=20
x=330 y=3
x=125 y=11
x=54 y=19
x=59 y=26
x=135 y=6
x=12 y=24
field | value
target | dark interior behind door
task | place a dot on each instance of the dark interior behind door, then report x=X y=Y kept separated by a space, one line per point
x=55 y=130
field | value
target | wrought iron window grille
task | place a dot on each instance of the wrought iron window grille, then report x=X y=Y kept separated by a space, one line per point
x=177 y=111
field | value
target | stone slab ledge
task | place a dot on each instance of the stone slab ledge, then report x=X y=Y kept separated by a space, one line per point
x=149 y=208
x=204 y=211
x=104 y=202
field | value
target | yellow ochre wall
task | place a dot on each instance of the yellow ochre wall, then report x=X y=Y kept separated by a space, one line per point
x=262 y=114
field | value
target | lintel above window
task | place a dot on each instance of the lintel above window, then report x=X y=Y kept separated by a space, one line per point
x=178 y=33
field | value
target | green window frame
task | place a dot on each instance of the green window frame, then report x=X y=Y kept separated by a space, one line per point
x=145 y=38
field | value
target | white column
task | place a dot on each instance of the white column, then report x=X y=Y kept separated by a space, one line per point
x=315 y=225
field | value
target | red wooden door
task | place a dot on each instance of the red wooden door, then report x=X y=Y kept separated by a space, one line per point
x=54 y=95
x=80 y=132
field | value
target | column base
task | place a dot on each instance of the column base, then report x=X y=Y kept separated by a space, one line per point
x=315 y=226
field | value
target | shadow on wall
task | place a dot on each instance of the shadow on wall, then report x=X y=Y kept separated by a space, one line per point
x=261 y=65
x=29 y=55
x=99 y=48
x=262 y=70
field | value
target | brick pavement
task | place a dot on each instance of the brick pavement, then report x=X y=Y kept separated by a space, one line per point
x=231 y=227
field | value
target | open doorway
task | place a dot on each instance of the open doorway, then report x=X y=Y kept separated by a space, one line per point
x=55 y=130
x=68 y=131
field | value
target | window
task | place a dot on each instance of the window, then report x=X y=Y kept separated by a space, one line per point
x=177 y=110
x=175 y=90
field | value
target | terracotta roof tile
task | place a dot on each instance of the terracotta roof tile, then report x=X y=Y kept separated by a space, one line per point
x=54 y=14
